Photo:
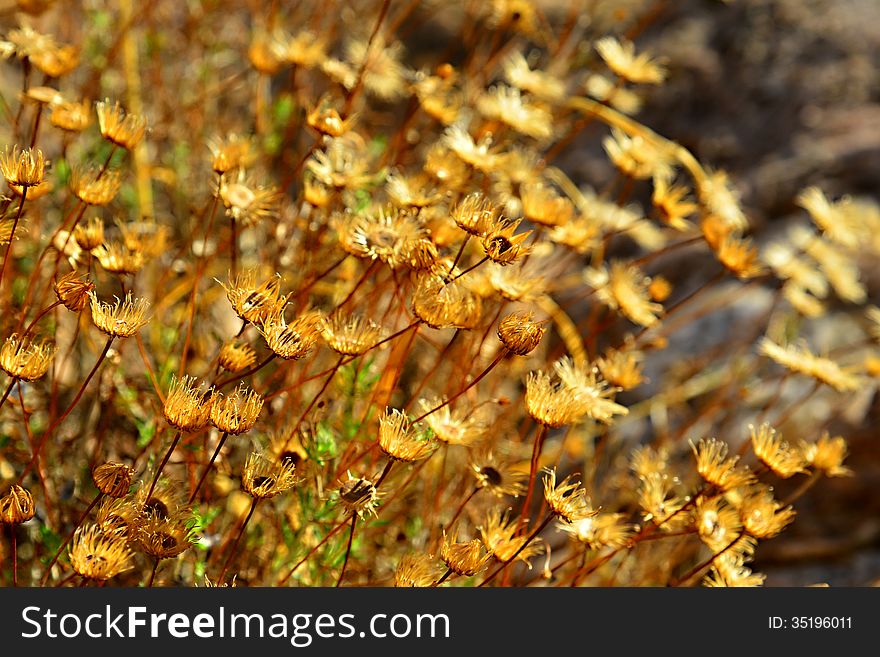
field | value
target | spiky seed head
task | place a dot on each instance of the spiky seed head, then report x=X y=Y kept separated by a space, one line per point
x=113 y=479
x=25 y=359
x=72 y=290
x=187 y=406
x=16 y=506
x=237 y=412
x=96 y=555
x=520 y=333
x=263 y=478
x=122 y=319
x=23 y=167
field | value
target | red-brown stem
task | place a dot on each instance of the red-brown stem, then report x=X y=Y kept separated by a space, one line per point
x=533 y=468
x=238 y=536
x=442 y=579
x=312 y=551
x=480 y=377
x=24 y=191
x=318 y=396
x=163 y=463
x=67 y=540
x=385 y=473
x=347 y=550
x=357 y=285
x=8 y=390
x=153 y=574
x=352 y=95
x=696 y=570
x=14 y=542
x=67 y=411
x=469 y=269
x=507 y=561
x=233 y=246
x=461 y=508
x=207 y=469
x=255 y=368
x=40 y=316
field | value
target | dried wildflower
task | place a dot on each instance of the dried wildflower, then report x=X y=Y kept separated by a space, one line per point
x=23 y=167
x=416 y=571
x=251 y=302
x=835 y=219
x=16 y=506
x=399 y=440
x=113 y=479
x=25 y=359
x=379 y=63
x=739 y=257
x=164 y=501
x=620 y=56
x=117 y=258
x=305 y=49
x=236 y=357
x=350 y=335
x=519 y=333
x=775 y=453
x=71 y=116
x=625 y=288
x=231 y=152
x=95 y=186
x=600 y=530
x=499 y=534
x=622 y=368
x=515 y=283
x=837 y=266
x=543 y=85
x=465 y=559
x=413 y=191
x=358 y=495
x=581 y=234
x=541 y=205
x=550 y=403
x=567 y=500
x=636 y=157
x=445 y=167
x=826 y=455
x=672 y=203
x=647 y=461
x=762 y=516
x=237 y=412
x=340 y=72
x=480 y=155
x=97 y=555
x=729 y=570
x=118 y=127
x=474 y=214
x=719 y=525
x=294 y=340
x=267 y=52
x=287 y=447
x=798 y=358
x=716 y=194
x=438 y=98
x=327 y=121
x=122 y=319
x=585 y=385
x=518 y=15
x=453 y=427
x=248 y=202
x=343 y=164
x=502 y=245
x=388 y=235
x=660 y=504
x=718 y=470
x=262 y=478
x=73 y=290
x=445 y=305
x=166 y=538
x=89 y=235
x=118 y=516
x=507 y=105
x=187 y=405
x=56 y=62
x=608 y=91
x=315 y=193
x=33 y=193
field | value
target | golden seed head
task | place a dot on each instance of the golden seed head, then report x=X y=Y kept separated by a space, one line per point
x=263 y=478
x=466 y=559
x=71 y=116
x=251 y=302
x=113 y=479
x=122 y=319
x=508 y=106
x=25 y=359
x=542 y=205
x=775 y=453
x=165 y=501
x=118 y=258
x=600 y=531
x=248 y=202
x=718 y=525
x=117 y=515
x=499 y=533
x=416 y=571
x=498 y=478
x=388 y=235
x=567 y=500
x=453 y=427
x=446 y=305
x=23 y=167
x=236 y=357
x=762 y=516
x=672 y=203
x=626 y=289
x=399 y=440
x=97 y=555
x=543 y=85
x=267 y=52
x=474 y=214
x=117 y=127
x=231 y=152
x=621 y=368
x=56 y=62
x=187 y=405
x=16 y=506
x=93 y=187
x=358 y=495
x=350 y=335
x=730 y=571
x=291 y=341
x=502 y=245
x=237 y=412
x=718 y=470
x=411 y=191
x=327 y=121
x=520 y=334
x=163 y=537
x=798 y=358
x=73 y=290
x=620 y=56
x=89 y=235
x=826 y=455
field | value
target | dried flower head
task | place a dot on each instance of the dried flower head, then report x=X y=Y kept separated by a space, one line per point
x=122 y=319
x=625 y=288
x=718 y=470
x=358 y=495
x=739 y=256
x=399 y=440
x=465 y=559
x=442 y=304
x=588 y=388
x=834 y=218
x=89 y=235
x=294 y=340
x=72 y=290
x=620 y=56
x=799 y=358
x=236 y=356
x=499 y=533
x=118 y=515
x=16 y=506
x=96 y=555
x=453 y=427
x=23 y=167
x=95 y=186
x=474 y=214
x=672 y=203
x=350 y=335
x=599 y=531
x=762 y=516
x=775 y=453
x=166 y=537
x=251 y=302
x=508 y=106
x=729 y=570
x=231 y=152
x=113 y=479
x=520 y=334
x=416 y=571
x=543 y=85
x=622 y=368
x=388 y=235
x=25 y=359
x=237 y=412
x=637 y=157
x=542 y=205
x=567 y=500
x=263 y=478
x=165 y=500
x=187 y=405
x=118 y=127
x=502 y=245
x=118 y=258
x=71 y=116
x=719 y=525
x=826 y=455
x=550 y=403
x=247 y=201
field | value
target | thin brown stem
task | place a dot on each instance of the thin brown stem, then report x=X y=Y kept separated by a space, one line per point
x=461 y=508
x=24 y=191
x=153 y=574
x=208 y=467
x=67 y=540
x=480 y=377
x=163 y=463
x=522 y=547
x=238 y=536
x=347 y=550
x=533 y=468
